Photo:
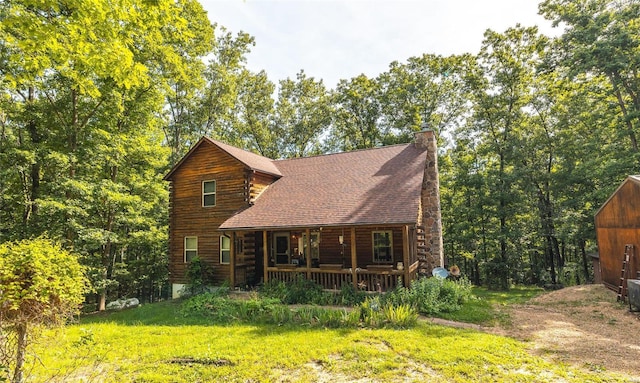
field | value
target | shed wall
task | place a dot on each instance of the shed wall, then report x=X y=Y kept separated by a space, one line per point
x=617 y=224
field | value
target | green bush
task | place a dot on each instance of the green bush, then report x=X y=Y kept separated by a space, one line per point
x=350 y=296
x=304 y=291
x=199 y=276
x=403 y=316
x=275 y=289
x=41 y=284
x=299 y=291
x=432 y=295
x=371 y=313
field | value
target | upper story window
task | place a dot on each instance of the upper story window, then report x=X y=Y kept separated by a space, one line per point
x=190 y=248
x=382 y=246
x=209 y=193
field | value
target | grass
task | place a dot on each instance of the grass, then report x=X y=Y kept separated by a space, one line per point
x=154 y=343
x=487 y=308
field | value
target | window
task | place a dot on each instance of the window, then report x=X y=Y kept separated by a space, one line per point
x=190 y=248
x=315 y=244
x=239 y=245
x=225 y=249
x=209 y=193
x=382 y=246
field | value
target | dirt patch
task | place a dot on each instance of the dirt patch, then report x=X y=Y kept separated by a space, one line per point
x=580 y=325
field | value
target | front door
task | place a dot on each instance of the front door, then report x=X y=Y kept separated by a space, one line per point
x=281 y=247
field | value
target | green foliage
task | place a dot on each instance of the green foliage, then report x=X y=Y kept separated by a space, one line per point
x=304 y=291
x=350 y=296
x=41 y=283
x=303 y=112
x=298 y=291
x=199 y=276
x=223 y=310
x=432 y=296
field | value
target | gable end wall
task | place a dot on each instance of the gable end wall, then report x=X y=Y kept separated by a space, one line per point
x=189 y=218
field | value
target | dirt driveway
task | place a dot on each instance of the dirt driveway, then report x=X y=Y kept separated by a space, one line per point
x=580 y=325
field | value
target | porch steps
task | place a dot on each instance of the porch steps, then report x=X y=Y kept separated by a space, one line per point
x=423 y=265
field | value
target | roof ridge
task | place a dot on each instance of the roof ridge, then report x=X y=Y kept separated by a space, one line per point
x=345 y=152
x=252 y=160
x=215 y=141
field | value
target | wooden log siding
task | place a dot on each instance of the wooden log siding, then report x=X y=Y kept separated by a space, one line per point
x=358 y=252
x=258 y=182
x=330 y=248
x=190 y=218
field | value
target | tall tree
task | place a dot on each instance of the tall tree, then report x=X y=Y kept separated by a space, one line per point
x=602 y=37
x=302 y=115
x=507 y=61
x=86 y=85
x=356 y=123
x=428 y=90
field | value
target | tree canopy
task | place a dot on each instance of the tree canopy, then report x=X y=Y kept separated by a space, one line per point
x=98 y=99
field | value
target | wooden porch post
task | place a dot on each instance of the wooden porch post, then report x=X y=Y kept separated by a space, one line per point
x=405 y=256
x=265 y=254
x=232 y=260
x=308 y=255
x=354 y=258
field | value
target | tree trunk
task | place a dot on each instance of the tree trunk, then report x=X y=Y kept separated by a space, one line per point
x=21 y=332
x=102 y=299
x=585 y=263
x=551 y=258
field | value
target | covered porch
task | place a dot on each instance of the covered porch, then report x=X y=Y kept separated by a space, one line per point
x=370 y=258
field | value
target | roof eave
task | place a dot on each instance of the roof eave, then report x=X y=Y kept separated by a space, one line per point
x=634 y=178
x=204 y=138
x=182 y=160
x=315 y=225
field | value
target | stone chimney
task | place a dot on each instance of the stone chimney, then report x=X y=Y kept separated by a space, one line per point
x=431 y=217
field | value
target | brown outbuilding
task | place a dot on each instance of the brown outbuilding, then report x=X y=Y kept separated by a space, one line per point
x=617 y=225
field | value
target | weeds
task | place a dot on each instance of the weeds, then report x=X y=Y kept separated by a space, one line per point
x=432 y=296
x=371 y=313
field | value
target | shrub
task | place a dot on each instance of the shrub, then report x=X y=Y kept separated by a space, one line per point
x=298 y=291
x=199 y=276
x=370 y=313
x=402 y=316
x=41 y=284
x=350 y=296
x=275 y=289
x=432 y=295
x=305 y=291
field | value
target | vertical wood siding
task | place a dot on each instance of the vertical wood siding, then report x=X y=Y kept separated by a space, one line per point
x=617 y=224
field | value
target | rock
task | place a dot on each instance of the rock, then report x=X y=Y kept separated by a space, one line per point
x=122 y=303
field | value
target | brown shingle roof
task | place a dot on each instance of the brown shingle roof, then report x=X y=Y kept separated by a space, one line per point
x=374 y=186
x=251 y=160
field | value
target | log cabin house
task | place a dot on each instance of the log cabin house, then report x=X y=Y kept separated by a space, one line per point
x=370 y=217
x=617 y=225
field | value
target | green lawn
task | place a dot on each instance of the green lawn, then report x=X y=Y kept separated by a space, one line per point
x=154 y=343
x=486 y=308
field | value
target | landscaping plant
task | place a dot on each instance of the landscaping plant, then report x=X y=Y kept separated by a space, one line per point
x=40 y=285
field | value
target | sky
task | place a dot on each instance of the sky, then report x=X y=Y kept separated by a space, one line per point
x=341 y=39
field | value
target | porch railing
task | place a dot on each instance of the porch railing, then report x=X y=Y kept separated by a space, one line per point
x=333 y=279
